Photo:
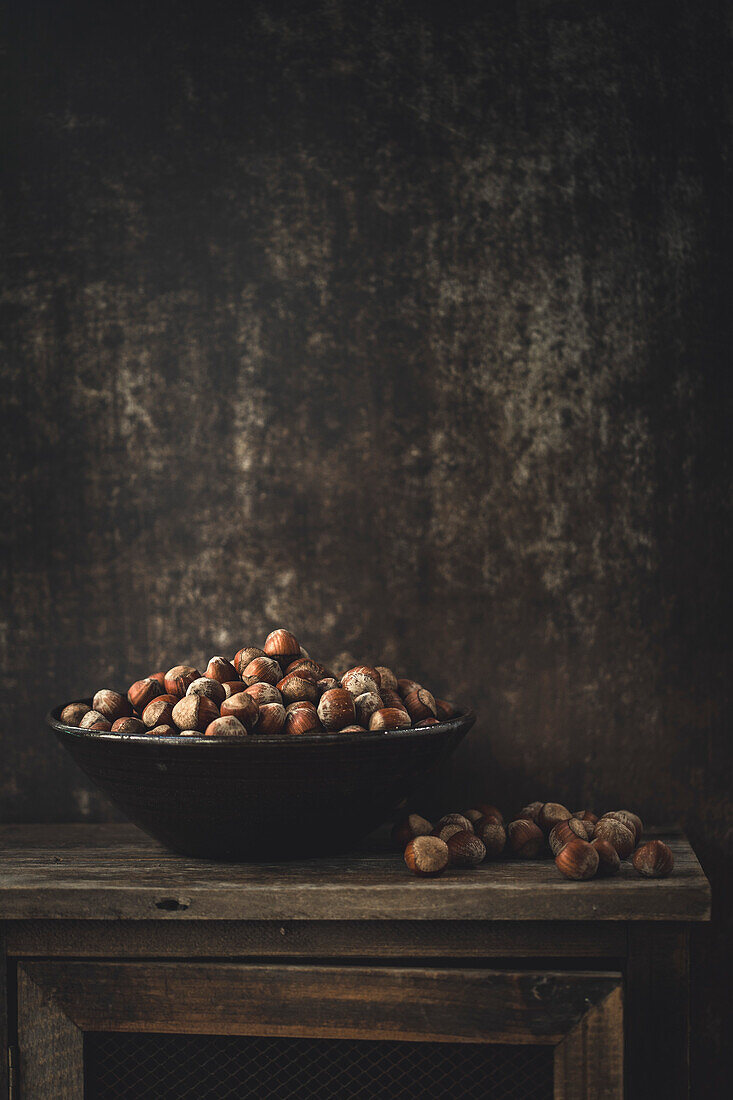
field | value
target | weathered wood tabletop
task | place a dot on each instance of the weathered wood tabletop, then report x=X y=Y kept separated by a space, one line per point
x=116 y=872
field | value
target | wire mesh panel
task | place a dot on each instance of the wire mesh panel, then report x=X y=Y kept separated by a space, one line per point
x=176 y=1067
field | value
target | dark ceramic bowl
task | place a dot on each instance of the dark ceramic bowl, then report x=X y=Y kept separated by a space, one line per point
x=260 y=797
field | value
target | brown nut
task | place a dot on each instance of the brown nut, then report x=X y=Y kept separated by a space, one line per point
x=281 y=645
x=159 y=711
x=587 y=816
x=454 y=819
x=225 y=726
x=389 y=718
x=474 y=816
x=233 y=687
x=220 y=669
x=73 y=714
x=551 y=814
x=245 y=656
x=162 y=731
x=301 y=720
x=445 y=710
x=530 y=812
x=445 y=832
x=111 y=704
x=493 y=838
x=93 y=720
x=365 y=706
x=406 y=686
x=327 y=683
x=465 y=849
x=577 y=860
x=565 y=831
x=427 y=856
x=336 y=709
x=387 y=678
x=608 y=859
x=631 y=820
x=618 y=834
x=195 y=712
x=392 y=699
x=142 y=691
x=491 y=813
x=354 y=729
x=242 y=707
x=212 y=689
x=262 y=670
x=160 y=677
x=129 y=725
x=420 y=704
x=270 y=718
x=295 y=687
x=178 y=678
x=420 y=723
x=408 y=828
x=263 y=694
x=306 y=665
x=525 y=839
x=653 y=860
x=360 y=679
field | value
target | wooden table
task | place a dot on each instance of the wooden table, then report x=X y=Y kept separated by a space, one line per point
x=104 y=931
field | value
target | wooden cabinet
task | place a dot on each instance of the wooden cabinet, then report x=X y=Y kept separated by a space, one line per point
x=336 y=978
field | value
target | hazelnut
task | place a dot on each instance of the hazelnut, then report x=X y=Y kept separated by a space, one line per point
x=160 y=677
x=618 y=834
x=195 y=712
x=220 y=669
x=565 y=831
x=653 y=860
x=454 y=819
x=354 y=729
x=295 y=686
x=525 y=839
x=408 y=828
x=387 y=678
x=142 y=691
x=262 y=693
x=301 y=704
x=551 y=814
x=262 y=670
x=225 y=726
x=420 y=704
x=577 y=860
x=178 y=678
x=491 y=813
x=631 y=820
x=445 y=710
x=129 y=725
x=336 y=709
x=473 y=816
x=465 y=849
x=232 y=687
x=406 y=686
x=361 y=679
x=365 y=705
x=159 y=711
x=282 y=646
x=445 y=832
x=93 y=720
x=245 y=656
x=392 y=699
x=111 y=704
x=242 y=707
x=530 y=812
x=212 y=689
x=493 y=838
x=301 y=720
x=427 y=856
x=162 y=731
x=270 y=718
x=389 y=718
x=587 y=816
x=306 y=665
x=73 y=714
x=327 y=683
x=420 y=723
x=608 y=859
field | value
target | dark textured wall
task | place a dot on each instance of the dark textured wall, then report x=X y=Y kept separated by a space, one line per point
x=408 y=327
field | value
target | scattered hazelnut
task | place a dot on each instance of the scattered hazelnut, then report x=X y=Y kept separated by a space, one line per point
x=493 y=838
x=307 y=666
x=73 y=714
x=427 y=856
x=361 y=679
x=473 y=816
x=608 y=858
x=530 y=812
x=392 y=699
x=365 y=706
x=445 y=832
x=327 y=683
x=354 y=729
x=445 y=709
x=160 y=677
x=465 y=849
x=129 y=725
x=336 y=709
x=618 y=834
x=631 y=820
x=525 y=839
x=420 y=704
x=387 y=678
x=491 y=813
x=454 y=819
x=162 y=731
x=142 y=691
x=159 y=711
x=577 y=860
x=406 y=686
x=195 y=712
x=232 y=687
x=242 y=707
x=212 y=689
x=282 y=645
x=586 y=815
x=93 y=720
x=389 y=718
x=408 y=828
x=226 y=726
x=262 y=670
x=220 y=669
x=565 y=831
x=653 y=860
x=245 y=656
x=270 y=718
x=420 y=723
x=295 y=686
x=262 y=693
x=178 y=678
x=551 y=814
x=111 y=704
x=301 y=720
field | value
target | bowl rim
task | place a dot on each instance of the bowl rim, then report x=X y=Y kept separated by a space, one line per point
x=52 y=719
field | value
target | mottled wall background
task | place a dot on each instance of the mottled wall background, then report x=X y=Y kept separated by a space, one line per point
x=407 y=326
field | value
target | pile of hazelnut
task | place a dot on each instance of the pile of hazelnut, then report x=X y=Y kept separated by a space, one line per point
x=276 y=689
x=583 y=845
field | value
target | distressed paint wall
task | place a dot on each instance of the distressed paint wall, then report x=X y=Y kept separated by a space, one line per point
x=407 y=326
